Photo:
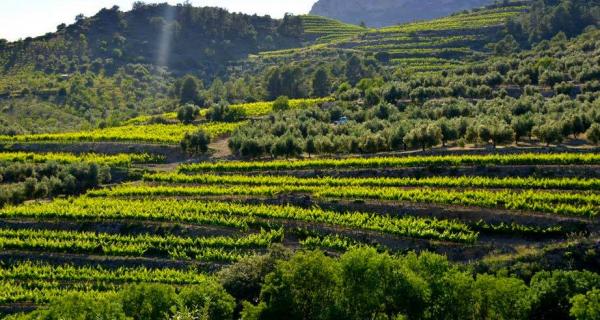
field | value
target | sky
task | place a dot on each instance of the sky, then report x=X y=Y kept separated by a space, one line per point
x=30 y=18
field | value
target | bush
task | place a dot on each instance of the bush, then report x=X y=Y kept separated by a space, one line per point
x=565 y=88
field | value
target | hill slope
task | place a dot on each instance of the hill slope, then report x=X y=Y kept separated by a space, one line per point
x=184 y=38
x=379 y=13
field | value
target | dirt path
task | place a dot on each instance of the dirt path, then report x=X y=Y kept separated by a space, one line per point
x=221 y=148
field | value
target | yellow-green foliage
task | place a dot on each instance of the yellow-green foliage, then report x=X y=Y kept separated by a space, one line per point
x=329 y=30
x=146 y=118
x=397 y=162
x=562 y=203
x=40 y=283
x=154 y=133
x=237 y=215
x=112 y=160
x=474 y=20
x=263 y=108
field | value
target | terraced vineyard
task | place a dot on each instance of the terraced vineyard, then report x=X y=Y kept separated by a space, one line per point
x=329 y=30
x=111 y=160
x=426 y=46
x=258 y=109
x=303 y=168
x=253 y=109
x=154 y=133
x=156 y=229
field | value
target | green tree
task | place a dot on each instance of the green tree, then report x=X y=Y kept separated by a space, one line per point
x=501 y=298
x=189 y=91
x=188 y=113
x=506 y=46
x=286 y=81
x=324 y=145
x=586 y=306
x=372 y=143
x=302 y=288
x=321 y=84
x=593 y=133
x=522 y=126
x=424 y=136
x=149 y=301
x=282 y=103
x=222 y=112
x=210 y=297
x=374 y=284
x=551 y=132
x=288 y=146
x=501 y=134
x=354 y=70
x=310 y=146
x=195 y=143
x=244 y=278
x=251 y=148
x=396 y=137
x=449 y=131
x=274 y=83
x=552 y=291
x=372 y=96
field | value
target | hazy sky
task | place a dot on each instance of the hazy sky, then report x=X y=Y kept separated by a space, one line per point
x=29 y=18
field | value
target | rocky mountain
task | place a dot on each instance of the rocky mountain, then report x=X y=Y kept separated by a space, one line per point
x=379 y=13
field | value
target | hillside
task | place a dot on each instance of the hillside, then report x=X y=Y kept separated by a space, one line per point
x=305 y=168
x=419 y=47
x=184 y=38
x=381 y=13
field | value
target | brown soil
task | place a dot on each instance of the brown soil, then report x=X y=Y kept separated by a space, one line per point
x=221 y=149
